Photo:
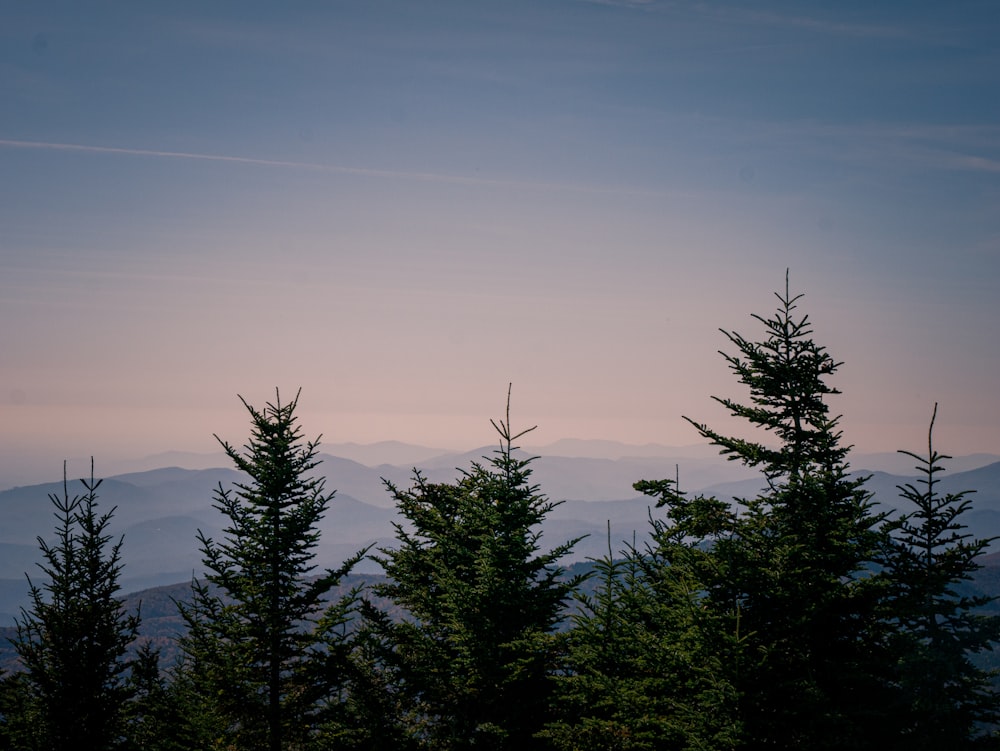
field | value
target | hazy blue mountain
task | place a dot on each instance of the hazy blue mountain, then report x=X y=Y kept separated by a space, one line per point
x=183 y=459
x=985 y=480
x=608 y=525
x=17 y=559
x=601 y=479
x=159 y=513
x=700 y=464
x=163 y=550
x=160 y=510
x=601 y=449
x=369 y=454
x=367 y=483
x=896 y=463
x=384 y=452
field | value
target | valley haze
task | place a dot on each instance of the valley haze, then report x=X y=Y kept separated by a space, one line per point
x=161 y=501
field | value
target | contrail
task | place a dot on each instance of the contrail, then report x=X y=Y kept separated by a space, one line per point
x=438 y=177
x=340 y=169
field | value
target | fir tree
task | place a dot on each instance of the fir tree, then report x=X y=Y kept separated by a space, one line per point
x=804 y=674
x=264 y=651
x=73 y=638
x=648 y=666
x=938 y=630
x=155 y=721
x=474 y=656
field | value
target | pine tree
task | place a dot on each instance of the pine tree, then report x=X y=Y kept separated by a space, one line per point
x=949 y=701
x=804 y=673
x=73 y=638
x=265 y=651
x=474 y=655
x=648 y=666
x=154 y=719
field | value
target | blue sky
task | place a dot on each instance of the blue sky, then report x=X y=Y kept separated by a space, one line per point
x=401 y=207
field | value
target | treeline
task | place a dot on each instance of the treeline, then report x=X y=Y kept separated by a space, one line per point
x=803 y=618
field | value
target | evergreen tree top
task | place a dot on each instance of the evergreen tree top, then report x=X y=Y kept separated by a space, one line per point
x=786 y=374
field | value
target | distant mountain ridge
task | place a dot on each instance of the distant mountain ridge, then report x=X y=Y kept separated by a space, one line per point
x=159 y=510
x=407 y=455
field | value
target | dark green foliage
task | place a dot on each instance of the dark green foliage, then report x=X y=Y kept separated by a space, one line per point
x=648 y=665
x=473 y=660
x=264 y=652
x=155 y=720
x=73 y=639
x=20 y=727
x=769 y=588
x=377 y=713
x=804 y=677
x=948 y=700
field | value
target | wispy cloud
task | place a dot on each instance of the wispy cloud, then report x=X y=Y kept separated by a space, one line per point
x=961 y=162
x=741 y=14
x=821 y=25
x=971 y=148
x=314 y=166
x=954 y=148
x=436 y=177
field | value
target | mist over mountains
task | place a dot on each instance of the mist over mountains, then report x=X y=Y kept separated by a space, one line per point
x=161 y=502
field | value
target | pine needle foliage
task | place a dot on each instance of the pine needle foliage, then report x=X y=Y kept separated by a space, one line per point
x=646 y=668
x=482 y=602
x=939 y=629
x=72 y=639
x=262 y=641
x=786 y=562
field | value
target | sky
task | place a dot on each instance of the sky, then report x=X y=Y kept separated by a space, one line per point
x=401 y=208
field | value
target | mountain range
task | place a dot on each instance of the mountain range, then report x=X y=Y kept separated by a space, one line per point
x=159 y=509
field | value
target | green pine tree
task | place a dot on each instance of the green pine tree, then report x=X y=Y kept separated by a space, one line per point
x=265 y=652
x=648 y=666
x=155 y=720
x=789 y=562
x=72 y=639
x=937 y=629
x=474 y=654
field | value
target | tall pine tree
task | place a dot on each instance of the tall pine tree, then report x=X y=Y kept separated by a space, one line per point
x=265 y=652
x=72 y=640
x=792 y=556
